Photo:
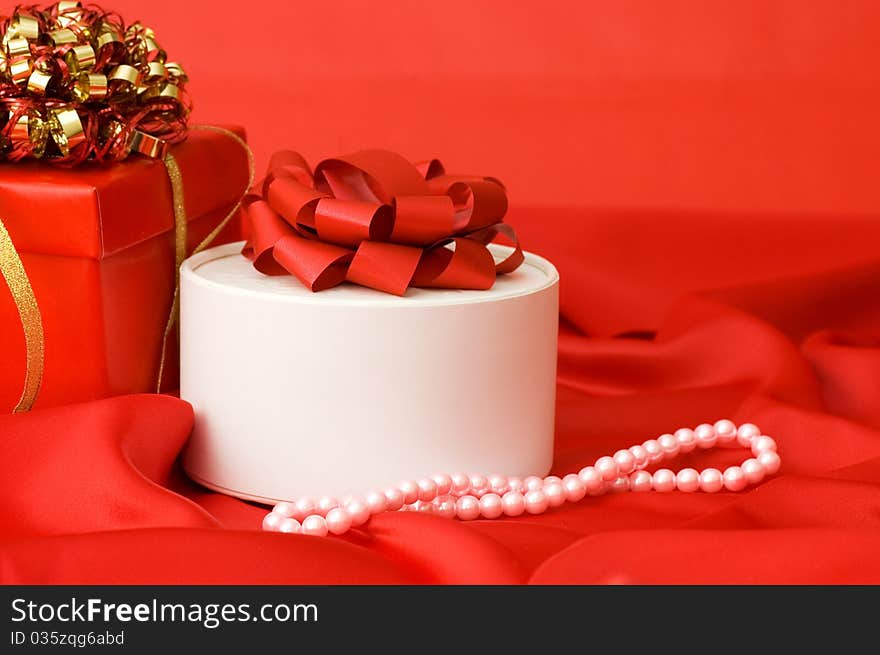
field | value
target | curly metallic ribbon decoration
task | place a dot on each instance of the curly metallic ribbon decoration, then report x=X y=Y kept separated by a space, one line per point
x=377 y=220
x=77 y=84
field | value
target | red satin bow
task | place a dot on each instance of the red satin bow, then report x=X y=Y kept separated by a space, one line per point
x=377 y=220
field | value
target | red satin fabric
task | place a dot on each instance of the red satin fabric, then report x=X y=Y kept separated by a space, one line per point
x=375 y=219
x=668 y=320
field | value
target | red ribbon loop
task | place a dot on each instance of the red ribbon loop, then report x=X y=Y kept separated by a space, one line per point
x=375 y=219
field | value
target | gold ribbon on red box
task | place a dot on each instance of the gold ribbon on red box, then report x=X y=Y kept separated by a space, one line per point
x=375 y=219
x=77 y=84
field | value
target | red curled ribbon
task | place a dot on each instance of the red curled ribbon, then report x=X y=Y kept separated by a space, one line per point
x=377 y=220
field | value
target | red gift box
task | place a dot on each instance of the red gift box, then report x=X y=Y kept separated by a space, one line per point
x=98 y=244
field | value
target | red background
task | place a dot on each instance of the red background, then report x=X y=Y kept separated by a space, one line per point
x=732 y=106
x=704 y=176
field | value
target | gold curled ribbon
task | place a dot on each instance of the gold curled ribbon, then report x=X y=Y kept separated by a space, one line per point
x=81 y=70
x=31 y=321
x=180 y=229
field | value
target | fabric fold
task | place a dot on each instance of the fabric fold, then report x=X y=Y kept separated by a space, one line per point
x=788 y=340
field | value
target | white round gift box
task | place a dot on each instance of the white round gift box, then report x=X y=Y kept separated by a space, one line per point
x=350 y=389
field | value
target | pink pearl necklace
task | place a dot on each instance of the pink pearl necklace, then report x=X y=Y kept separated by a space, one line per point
x=468 y=497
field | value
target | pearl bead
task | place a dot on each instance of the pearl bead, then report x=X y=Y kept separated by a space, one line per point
x=513 y=503
x=376 y=502
x=555 y=493
x=574 y=488
x=654 y=450
x=394 y=499
x=687 y=440
x=619 y=485
x=745 y=434
x=358 y=511
x=770 y=461
x=753 y=470
x=467 y=508
x=444 y=506
x=533 y=483
x=460 y=483
x=325 y=504
x=761 y=444
x=607 y=468
x=469 y=497
x=592 y=480
x=735 y=478
x=706 y=436
x=640 y=481
x=338 y=521
x=669 y=444
x=625 y=461
x=711 y=481
x=315 y=526
x=289 y=526
x=663 y=480
x=443 y=482
x=285 y=510
x=687 y=480
x=491 y=506
x=271 y=521
x=536 y=502
x=304 y=506
x=410 y=491
x=479 y=485
x=427 y=489
x=498 y=484
x=640 y=455
x=726 y=432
